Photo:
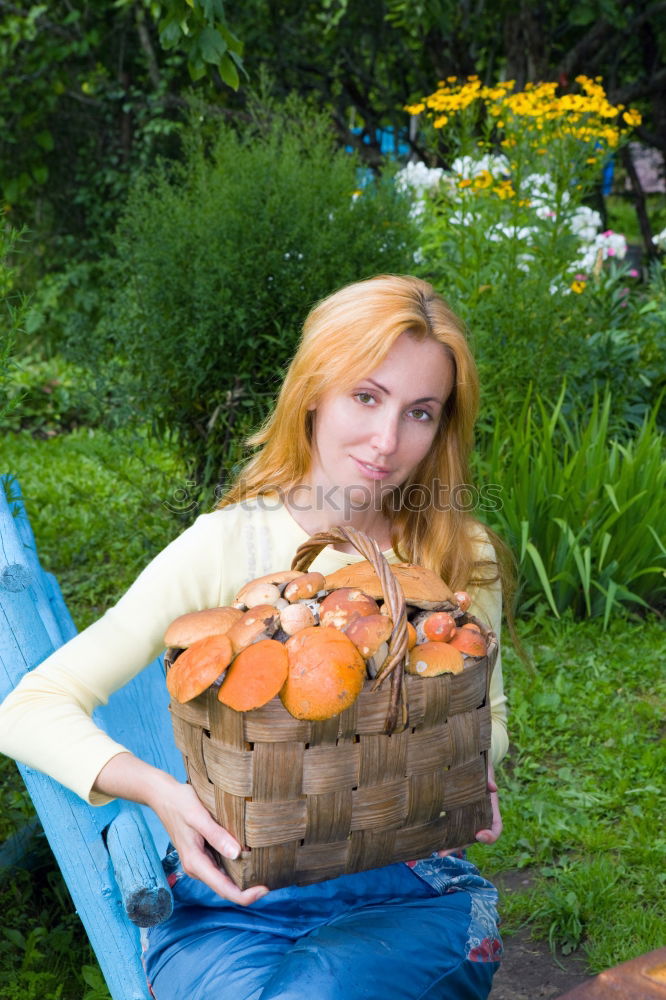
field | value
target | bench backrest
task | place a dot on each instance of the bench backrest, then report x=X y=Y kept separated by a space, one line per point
x=109 y=856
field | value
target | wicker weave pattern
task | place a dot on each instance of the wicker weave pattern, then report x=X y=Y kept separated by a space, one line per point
x=312 y=800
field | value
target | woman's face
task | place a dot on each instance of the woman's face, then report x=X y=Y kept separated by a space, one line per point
x=371 y=438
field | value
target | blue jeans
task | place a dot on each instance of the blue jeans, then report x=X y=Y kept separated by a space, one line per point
x=387 y=933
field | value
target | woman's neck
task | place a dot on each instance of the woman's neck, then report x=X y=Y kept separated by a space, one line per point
x=320 y=510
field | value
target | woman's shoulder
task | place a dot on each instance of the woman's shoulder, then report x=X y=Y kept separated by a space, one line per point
x=228 y=518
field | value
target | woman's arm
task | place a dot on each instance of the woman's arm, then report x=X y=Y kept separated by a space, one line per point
x=189 y=824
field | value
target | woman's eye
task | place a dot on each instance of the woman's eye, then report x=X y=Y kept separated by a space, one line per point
x=364 y=397
x=421 y=415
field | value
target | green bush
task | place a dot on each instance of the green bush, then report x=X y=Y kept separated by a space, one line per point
x=623 y=347
x=217 y=263
x=582 y=511
x=12 y=309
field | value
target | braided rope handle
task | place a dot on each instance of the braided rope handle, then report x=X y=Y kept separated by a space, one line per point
x=393 y=666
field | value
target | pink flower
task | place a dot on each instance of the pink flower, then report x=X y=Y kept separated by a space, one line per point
x=633 y=273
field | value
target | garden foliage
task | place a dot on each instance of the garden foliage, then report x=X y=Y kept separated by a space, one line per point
x=218 y=261
x=582 y=511
x=504 y=231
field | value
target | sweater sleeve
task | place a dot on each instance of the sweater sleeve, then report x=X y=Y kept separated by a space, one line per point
x=46 y=721
x=487 y=607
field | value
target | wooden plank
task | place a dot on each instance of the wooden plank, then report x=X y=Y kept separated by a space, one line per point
x=15 y=572
x=141 y=880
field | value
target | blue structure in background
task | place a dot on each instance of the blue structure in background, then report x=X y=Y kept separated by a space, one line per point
x=607 y=177
x=390 y=144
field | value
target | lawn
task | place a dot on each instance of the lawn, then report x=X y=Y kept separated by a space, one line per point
x=582 y=790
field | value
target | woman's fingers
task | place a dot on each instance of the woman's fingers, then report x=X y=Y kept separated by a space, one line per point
x=491 y=835
x=199 y=865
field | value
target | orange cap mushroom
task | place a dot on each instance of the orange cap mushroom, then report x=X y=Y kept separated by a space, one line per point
x=368 y=633
x=326 y=673
x=194 y=625
x=198 y=667
x=463 y=599
x=432 y=658
x=255 y=676
x=439 y=626
x=341 y=607
x=469 y=641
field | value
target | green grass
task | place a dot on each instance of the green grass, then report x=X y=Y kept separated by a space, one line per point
x=582 y=790
x=97 y=501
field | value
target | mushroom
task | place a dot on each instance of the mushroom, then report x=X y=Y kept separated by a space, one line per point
x=341 y=607
x=295 y=617
x=376 y=662
x=260 y=593
x=326 y=673
x=278 y=580
x=256 y=624
x=255 y=676
x=368 y=633
x=432 y=658
x=411 y=636
x=304 y=586
x=188 y=628
x=469 y=641
x=434 y=626
x=463 y=599
x=421 y=587
x=201 y=665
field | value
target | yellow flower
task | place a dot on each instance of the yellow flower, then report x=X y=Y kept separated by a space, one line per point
x=578 y=286
x=632 y=117
x=483 y=180
x=442 y=120
x=464 y=182
x=414 y=109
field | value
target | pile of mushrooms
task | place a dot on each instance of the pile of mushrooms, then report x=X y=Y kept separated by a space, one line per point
x=315 y=640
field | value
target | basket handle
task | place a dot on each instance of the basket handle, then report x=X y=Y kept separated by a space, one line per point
x=394 y=664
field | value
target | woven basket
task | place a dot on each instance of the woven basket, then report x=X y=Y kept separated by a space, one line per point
x=313 y=800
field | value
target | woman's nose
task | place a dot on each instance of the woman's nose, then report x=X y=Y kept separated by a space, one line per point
x=385 y=436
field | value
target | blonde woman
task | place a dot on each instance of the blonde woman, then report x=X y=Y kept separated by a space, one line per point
x=373 y=428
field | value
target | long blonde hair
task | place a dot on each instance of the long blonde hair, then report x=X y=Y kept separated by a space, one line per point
x=345 y=337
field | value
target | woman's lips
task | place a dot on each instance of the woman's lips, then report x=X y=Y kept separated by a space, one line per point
x=372 y=471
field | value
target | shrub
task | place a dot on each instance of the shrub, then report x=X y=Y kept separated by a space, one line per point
x=12 y=308
x=217 y=263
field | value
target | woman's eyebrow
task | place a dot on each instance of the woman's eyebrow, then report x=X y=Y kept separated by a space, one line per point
x=422 y=399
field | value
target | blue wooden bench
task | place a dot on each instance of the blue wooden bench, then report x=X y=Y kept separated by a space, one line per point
x=109 y=856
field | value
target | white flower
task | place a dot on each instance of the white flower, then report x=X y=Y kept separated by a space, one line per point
x=585 y=223
x=418 y=177
x=660 y=239
x=611 y=244
x=468 y=167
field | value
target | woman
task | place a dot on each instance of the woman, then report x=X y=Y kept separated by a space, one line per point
x=373 y=427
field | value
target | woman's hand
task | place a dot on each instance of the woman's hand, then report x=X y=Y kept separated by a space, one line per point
x=491 y=835
x=187 y=821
